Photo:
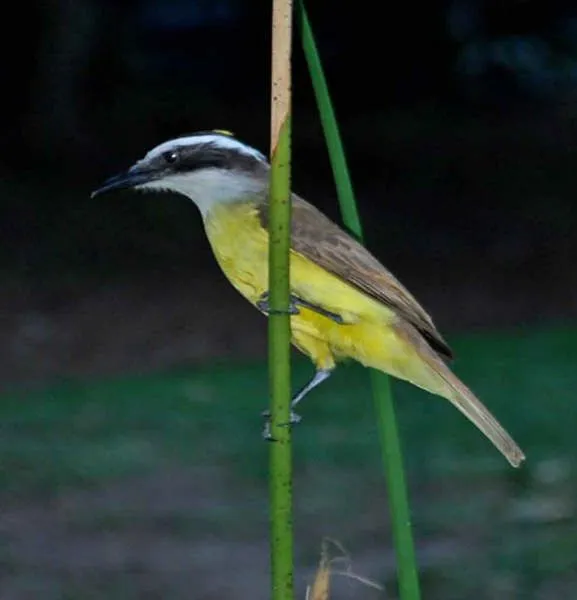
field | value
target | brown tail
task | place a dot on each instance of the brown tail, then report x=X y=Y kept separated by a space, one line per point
x=463 y=399
x=453 y=389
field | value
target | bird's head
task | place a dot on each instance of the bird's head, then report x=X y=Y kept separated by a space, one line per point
x=208 y=167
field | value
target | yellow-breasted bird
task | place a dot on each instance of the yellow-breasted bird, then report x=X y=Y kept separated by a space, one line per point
x=344 y=303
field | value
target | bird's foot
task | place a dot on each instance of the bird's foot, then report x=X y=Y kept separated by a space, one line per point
x=263 y=305
x=266 y=432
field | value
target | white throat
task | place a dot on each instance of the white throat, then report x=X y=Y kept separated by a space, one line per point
x=209 y=187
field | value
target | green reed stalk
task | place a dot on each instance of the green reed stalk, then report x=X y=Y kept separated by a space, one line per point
x=386 y=420
x=281 y=538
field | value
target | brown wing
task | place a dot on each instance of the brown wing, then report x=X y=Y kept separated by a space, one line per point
x=319 y=239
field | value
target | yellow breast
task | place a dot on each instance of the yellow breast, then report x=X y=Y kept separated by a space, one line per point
x=240 y=246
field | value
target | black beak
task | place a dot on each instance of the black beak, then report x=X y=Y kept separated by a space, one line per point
x=133 y=177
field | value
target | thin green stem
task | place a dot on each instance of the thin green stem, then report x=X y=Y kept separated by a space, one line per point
x=408 y=574
x=386 y=420
x=280 y=372
x=280 y=478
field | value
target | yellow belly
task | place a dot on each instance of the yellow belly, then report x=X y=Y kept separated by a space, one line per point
x=240 y=245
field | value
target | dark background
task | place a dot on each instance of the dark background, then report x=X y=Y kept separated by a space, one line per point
x=460 y=123
x=458 y=119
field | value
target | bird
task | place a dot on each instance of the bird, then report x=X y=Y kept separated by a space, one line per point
x=343 y=304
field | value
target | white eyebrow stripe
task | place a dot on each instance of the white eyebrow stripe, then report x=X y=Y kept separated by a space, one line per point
x=218 y=141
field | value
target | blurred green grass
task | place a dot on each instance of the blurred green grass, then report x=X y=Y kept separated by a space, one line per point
x=75 y=433
x=83 y=435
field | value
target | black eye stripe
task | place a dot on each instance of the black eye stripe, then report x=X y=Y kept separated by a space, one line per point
x=204 y=160
x=204 y=156
x=171 y=156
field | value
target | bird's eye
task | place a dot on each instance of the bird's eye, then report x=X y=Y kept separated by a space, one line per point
x=170 y=157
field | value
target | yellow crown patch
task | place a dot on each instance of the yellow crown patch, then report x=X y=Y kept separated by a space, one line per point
x=223 y=132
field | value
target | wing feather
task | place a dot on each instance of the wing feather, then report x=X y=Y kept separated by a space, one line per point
x=320 y=240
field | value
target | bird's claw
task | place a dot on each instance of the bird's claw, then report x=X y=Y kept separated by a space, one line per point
x=266 y=432
x=263 y=305
x=294 y=419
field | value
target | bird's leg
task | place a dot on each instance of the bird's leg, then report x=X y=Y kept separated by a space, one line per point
x=295 y=302
x=319 y=376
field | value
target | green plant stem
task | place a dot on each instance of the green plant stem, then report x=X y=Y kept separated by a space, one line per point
x=280 y=477
x=280 y=372
x=386 y=420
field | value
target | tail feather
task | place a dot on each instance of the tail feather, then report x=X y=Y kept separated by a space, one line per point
x=446 y=384
x=464 y=400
